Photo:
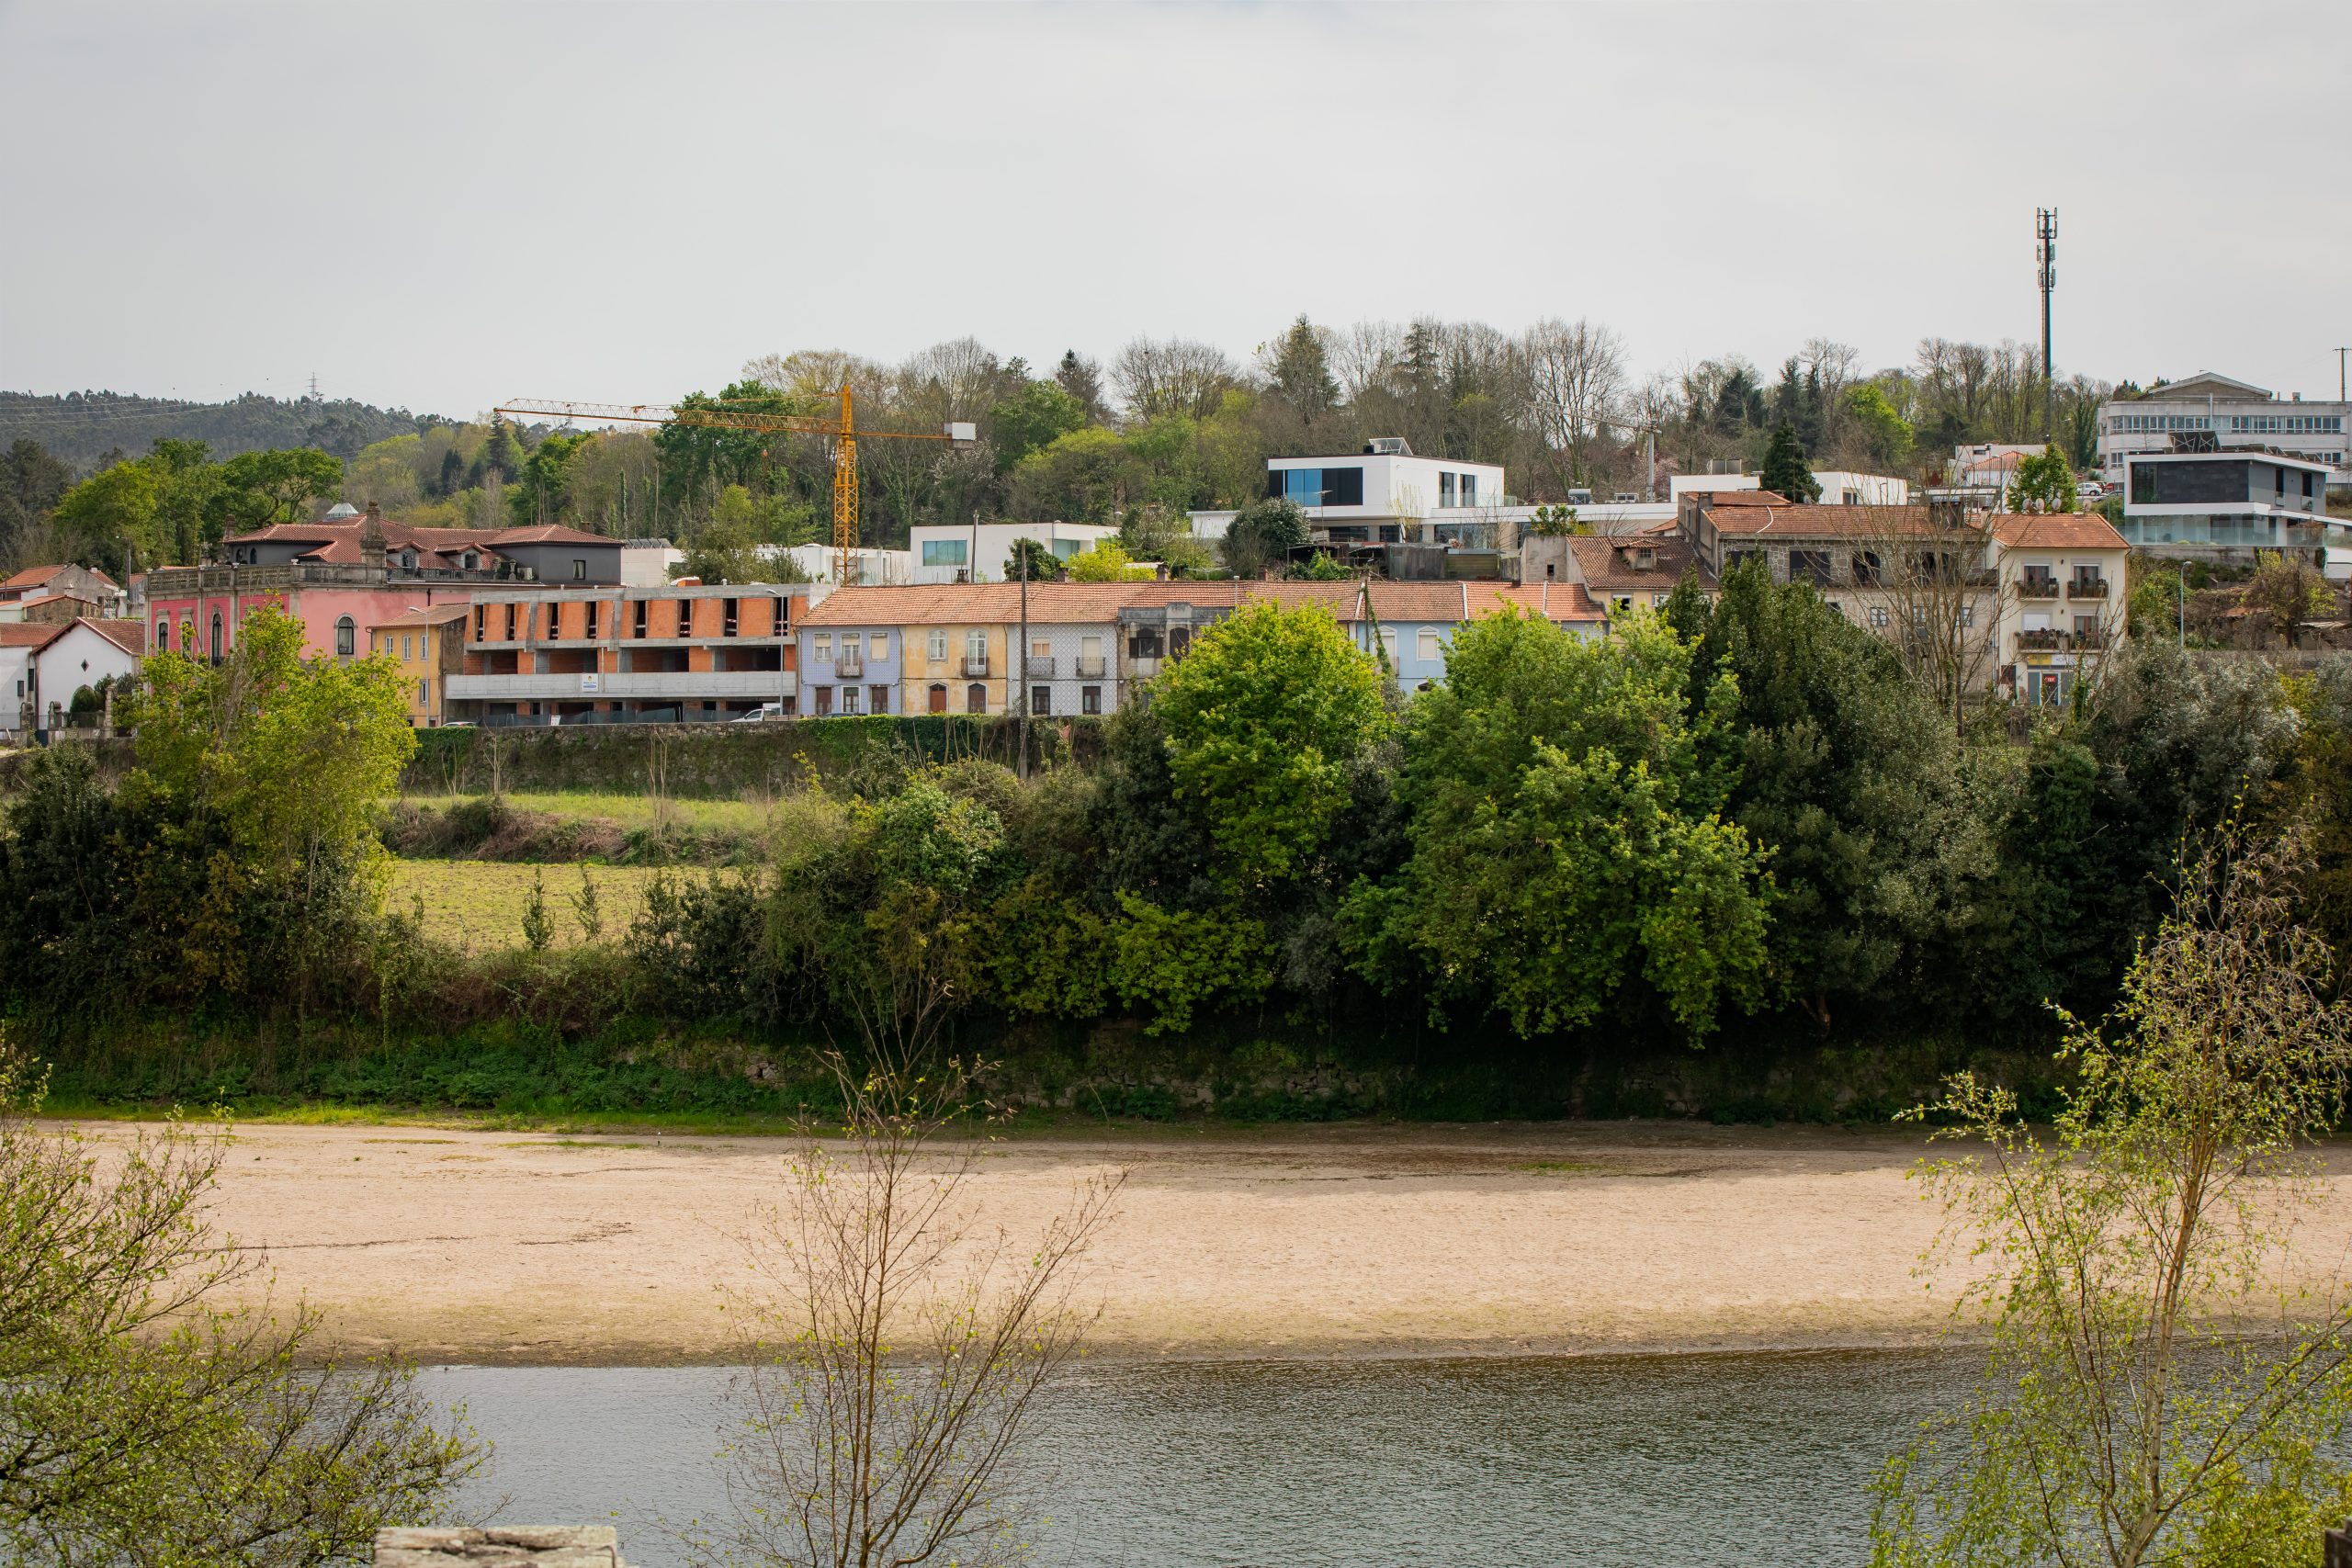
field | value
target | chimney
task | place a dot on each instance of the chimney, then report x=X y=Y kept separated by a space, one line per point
x=371 y=538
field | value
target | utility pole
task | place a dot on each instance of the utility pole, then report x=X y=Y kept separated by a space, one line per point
x=2045 y=229
x=2339 y=374
x=1019 y=663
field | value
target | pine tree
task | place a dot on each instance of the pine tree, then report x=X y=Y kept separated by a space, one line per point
x=1787 y=471
x=1301 y=373
x=1082 y=380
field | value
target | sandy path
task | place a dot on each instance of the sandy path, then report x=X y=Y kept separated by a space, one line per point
x=504 y=1247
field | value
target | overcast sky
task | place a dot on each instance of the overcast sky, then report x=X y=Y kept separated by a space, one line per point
x=440 y=206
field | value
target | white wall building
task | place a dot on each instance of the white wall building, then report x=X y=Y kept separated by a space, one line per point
x=2231 y=413
x=976 y=552
x=875 y=567
x=2225 y=500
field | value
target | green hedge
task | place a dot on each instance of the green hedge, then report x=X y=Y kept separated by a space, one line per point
x=725 y=760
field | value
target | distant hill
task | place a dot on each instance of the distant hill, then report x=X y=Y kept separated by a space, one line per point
x=81 y=427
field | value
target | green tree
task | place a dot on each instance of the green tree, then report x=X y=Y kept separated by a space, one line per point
x=2288 y=594
x=724 y=549
x=1854 y=781
x=142 y=1422
x=1300 y=372
x=1557 y=523
x=1033 y=418
x=1262 y=535
x=109 y=518
x=1106 y=561
x=1264 y=718
x=277 y=486
x=31 y=483
x=2160 y=1387
x=1883 y=433
x=1032 y=561
x=2044 y=482
x=1566 y=837
x=541 y=493
x=1787 y=471
x=1086 y=476
x=188 y=510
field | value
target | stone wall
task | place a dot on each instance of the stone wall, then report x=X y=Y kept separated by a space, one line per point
x=501 y=1546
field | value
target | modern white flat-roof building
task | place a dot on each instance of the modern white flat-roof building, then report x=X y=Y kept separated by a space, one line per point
x=2225 y=500
x=2210 y=408
x=976 y=552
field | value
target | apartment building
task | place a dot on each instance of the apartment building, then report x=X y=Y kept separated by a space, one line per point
x=621 y=654
x=2226 y=501
x=2211 y=411
x=2060 y=605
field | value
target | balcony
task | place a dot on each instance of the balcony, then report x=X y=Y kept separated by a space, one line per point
x=767 y=684
x=2088 y=642
x=976 y=664
x=849 y=667
x=2087 y=588
x=2037 y=588
x=1040 y=667
x=2043 y=641
x=1090 y=669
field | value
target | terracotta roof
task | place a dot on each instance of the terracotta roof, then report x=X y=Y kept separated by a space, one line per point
x=1606 y=568
x=1997 y=460
x=32 y=576
x=2057 y=531
x=429 y=615
x=31 y=634
x=1553 y=600
x=1715 y=497
x=1746 y=519
x=129 y=635
x=969 y=603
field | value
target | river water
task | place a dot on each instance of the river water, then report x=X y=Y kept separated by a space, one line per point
x=1643 y=1462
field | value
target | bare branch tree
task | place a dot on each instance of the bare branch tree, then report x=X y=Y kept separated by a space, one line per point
x=1175 y=377
x=1575 y=373
x=896 y=1349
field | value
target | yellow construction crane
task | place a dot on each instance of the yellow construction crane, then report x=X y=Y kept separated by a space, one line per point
x=843 y=431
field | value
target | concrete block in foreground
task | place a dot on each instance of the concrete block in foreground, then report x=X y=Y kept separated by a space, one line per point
x=501 y=1546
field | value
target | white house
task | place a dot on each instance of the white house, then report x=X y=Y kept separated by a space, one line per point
x=83 y=653
x=2219 y=411
x=976 y=552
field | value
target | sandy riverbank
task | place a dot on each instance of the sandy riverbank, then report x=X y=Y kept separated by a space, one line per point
x=460 y=1245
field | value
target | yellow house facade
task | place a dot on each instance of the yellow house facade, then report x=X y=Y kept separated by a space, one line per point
x=429 y=645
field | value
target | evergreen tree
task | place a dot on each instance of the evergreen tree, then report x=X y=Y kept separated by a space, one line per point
x=1787 y=471
x=1301 y=373
x=1082 y=380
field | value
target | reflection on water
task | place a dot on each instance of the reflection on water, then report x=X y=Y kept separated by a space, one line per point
x=1635 y=1461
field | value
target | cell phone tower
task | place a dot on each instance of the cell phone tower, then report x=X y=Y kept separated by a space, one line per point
x=2045 y=229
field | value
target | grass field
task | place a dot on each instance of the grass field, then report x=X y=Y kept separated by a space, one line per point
x=479 y=903
x=628 y=810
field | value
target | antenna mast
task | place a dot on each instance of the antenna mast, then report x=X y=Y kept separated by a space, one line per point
x=2045 y=231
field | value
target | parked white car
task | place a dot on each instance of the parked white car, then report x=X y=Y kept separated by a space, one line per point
x=759 y=715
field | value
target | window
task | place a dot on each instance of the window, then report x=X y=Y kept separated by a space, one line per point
x=473 y=562
x=425 y=691
x=1041 y=647
x=938 y=698
x=579 y=570
x=849 y=700
x=975 y=649
x=937 y=644
x=406 y=650
x=853 y=648
x=2143 y=484
x=1426 y=644
x=1318 y=487
x=641 y=604
x=424 y=645
x=824 y=650
x=1878 y=616
x=946 y=552
x=976 y=699
x=1067 y=550
x=188 y=637
x=1445 y=489
x=1041 y=699
x=162 y=634
x=1388 y=645
x=1144 y=643
x=1469 y=489
x=346 y=637
x=1967 y=615
x=590 y=633
x=824 y=702
x=879 y=645
x=216 y=636
x=1090 y=699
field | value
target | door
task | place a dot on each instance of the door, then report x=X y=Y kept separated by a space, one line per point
x=939 y=699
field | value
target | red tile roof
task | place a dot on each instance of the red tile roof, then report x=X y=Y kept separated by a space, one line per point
x=1776 y=516
x=968 y=604
x=1606 y=567
x=129 y=635
x=2057 y=531
x=31 y=634
x=1553 y=600
x=551 y=533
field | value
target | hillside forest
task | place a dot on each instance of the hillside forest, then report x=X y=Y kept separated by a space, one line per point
x=1164 y=426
